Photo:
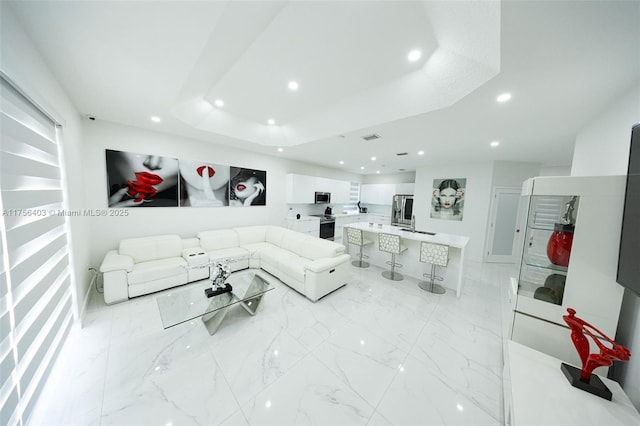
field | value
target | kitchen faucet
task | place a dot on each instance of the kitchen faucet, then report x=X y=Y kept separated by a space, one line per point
x=413 y=223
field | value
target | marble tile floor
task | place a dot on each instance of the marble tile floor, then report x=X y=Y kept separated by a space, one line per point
x=375 y=352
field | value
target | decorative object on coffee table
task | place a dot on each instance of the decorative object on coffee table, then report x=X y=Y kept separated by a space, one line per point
x=584 y=379
x=220 y=271
x=561 y=240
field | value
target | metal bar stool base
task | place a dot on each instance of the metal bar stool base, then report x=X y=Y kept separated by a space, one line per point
x=360 y=264
x=431 y=288
x=392 y=275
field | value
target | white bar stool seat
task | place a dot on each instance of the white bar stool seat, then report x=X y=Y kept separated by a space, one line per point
x=436 y=255
x=356 y=237
x=391 y=243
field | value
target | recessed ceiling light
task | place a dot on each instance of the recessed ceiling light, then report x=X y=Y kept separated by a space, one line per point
x=378 y=171
x=271 y=122
x=155 y=119
x=341 y=162
x=414 y=55
x=505 y=97
x=361 y=167
x=494 y=143
x=219 y=103
x=420 y=152
x=280 y=149
x=373 y=158
x=293 y=85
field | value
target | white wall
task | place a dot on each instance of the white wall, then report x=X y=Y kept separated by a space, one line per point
x=513 y=174
x=404 y=177
x=476 y=205
x=555 y=170
x=21 y=62
x=107 y=231
x=602 y=148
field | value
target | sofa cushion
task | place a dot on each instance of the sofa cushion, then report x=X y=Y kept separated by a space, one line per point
x=157 y=269
x=238 y=255
x=293 y=241
x=316 y=248
x=151 y=248
x=251 y=234
x=293 y=265
x=218 y=239
x=274 y=235
x=275 y=260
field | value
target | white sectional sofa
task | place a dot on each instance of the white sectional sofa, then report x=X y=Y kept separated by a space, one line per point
x=312 y=266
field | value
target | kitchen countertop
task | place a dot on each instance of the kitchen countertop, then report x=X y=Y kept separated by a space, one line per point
x=439 y=238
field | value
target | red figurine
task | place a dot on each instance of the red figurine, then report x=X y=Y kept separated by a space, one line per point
x=590 y=362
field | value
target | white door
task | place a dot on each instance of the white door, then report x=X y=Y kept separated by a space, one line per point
x=502 y=225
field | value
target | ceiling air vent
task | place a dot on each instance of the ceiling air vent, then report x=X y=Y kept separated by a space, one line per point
x=371 y=137
x=399 y=154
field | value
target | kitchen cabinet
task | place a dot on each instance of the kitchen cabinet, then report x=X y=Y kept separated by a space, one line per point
x=377 y=193
x=306 y=225
x=340 y=192
x=341 y=222
x=376 y=218
x=405 y=188
x=301 y=189
x=549 y=280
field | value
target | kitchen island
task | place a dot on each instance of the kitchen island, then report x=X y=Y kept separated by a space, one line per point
x=410 y=259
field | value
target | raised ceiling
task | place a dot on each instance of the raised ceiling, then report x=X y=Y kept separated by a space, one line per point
x=564 y=62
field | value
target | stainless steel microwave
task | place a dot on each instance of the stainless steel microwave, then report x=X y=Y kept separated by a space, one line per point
x=322 y=197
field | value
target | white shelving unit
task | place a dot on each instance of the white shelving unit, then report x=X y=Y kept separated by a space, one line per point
x=589 y=279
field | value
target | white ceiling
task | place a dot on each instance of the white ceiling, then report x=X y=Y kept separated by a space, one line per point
x=564 y=62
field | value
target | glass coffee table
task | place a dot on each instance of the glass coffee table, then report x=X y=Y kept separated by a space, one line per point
x=181 y=305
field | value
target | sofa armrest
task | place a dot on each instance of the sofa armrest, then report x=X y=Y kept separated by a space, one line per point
x=115 y=262
x=321 y=265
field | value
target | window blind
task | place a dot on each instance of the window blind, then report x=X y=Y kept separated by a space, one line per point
x=36 y=309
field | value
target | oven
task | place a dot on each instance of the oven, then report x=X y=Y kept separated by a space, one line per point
x=327 y=227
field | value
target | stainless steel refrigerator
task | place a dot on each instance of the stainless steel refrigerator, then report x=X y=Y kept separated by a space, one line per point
x=402 y=209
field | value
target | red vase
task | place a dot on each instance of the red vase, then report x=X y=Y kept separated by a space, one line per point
x=559 y=245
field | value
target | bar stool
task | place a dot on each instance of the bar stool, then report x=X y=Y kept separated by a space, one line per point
x=391 y=243
x=436 y=255
x=356 y=237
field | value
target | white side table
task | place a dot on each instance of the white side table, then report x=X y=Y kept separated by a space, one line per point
x=197 y=263
x=536 y=392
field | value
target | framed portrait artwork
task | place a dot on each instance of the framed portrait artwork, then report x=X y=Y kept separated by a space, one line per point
x=143 y=180
x=248 y=187
x=447 y=199
x=203 y=184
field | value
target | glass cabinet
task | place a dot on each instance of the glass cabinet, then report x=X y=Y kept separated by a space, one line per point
x=570 y=229
x=547 y=247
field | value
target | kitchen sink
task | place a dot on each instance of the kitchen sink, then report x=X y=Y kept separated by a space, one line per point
x=418 y=232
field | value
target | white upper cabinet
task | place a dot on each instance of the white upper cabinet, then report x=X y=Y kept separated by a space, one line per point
x=405 y=188
x=377 y=193
x=300 y=189
x=340 y=192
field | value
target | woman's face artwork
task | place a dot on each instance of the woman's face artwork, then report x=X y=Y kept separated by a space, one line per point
x=245 y=189
x=146 y=175
x=203 y=175
x=447 y=197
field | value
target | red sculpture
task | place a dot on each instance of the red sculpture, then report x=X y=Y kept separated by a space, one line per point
x=592 y=361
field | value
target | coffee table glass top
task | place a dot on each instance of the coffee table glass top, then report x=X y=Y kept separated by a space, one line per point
x=185 y=304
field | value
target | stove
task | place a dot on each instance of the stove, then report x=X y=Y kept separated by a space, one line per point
x=324 y=218
x=327 y=226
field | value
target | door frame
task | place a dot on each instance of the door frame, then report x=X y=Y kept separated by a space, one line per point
x=493 y=212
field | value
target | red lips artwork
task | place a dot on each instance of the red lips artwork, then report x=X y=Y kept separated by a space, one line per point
x=142 y=188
